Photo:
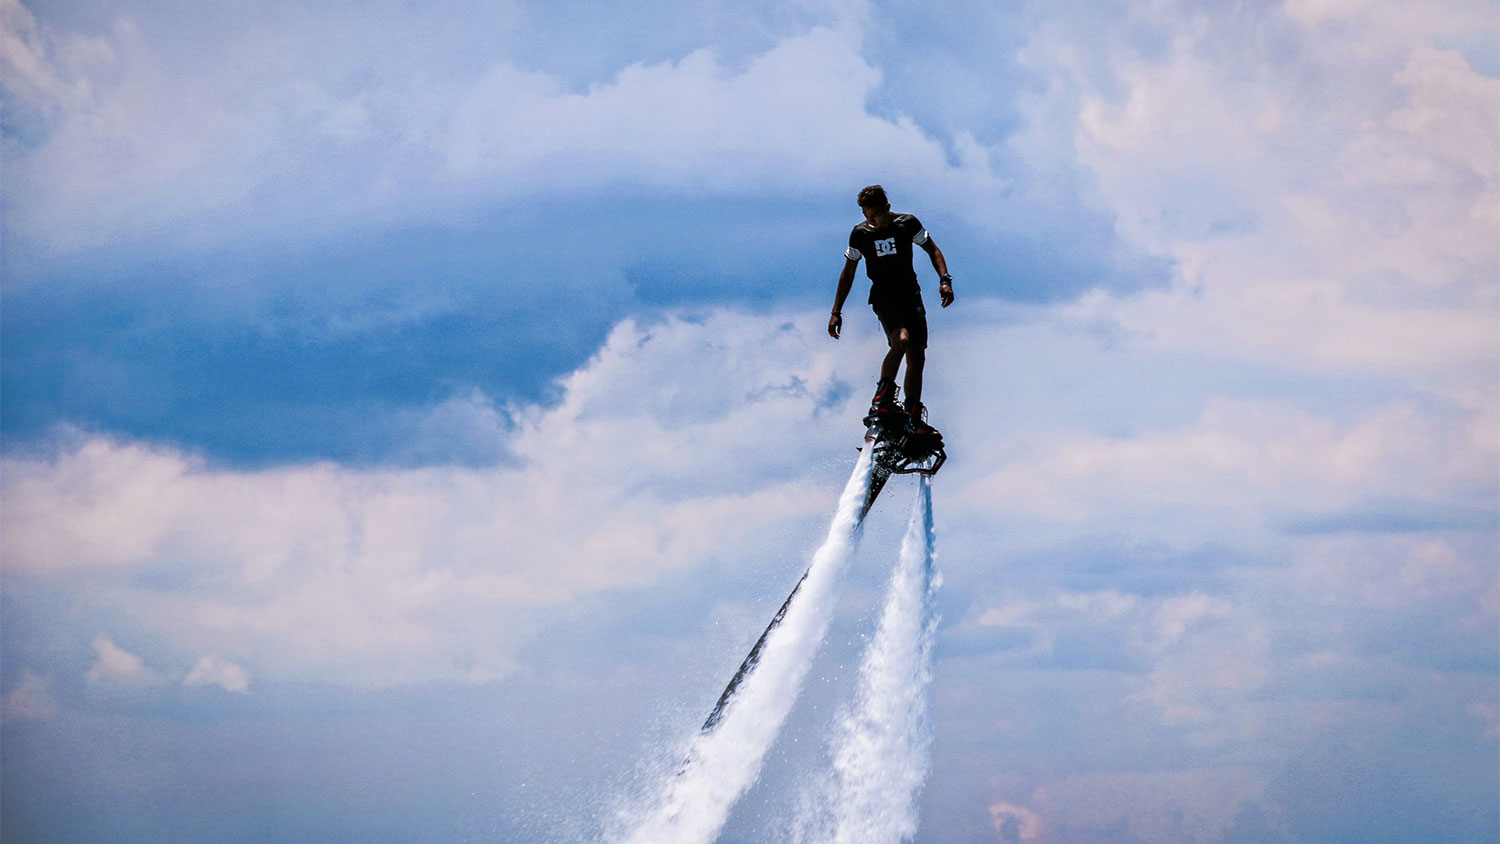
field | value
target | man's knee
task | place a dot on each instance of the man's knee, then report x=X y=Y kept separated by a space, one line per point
x=900 y=340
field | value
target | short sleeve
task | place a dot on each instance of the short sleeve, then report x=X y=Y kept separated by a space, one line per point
x=853 y=253
x=919 y=234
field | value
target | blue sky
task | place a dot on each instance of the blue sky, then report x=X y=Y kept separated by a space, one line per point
x=410 y=416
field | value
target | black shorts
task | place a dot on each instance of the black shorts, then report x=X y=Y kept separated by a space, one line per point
x=906 y=312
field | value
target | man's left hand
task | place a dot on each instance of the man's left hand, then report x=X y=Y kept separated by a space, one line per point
x=945 y=292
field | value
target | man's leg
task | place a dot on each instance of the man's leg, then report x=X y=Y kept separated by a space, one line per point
x=916 y=358
x=899 y=347
x=885 y=391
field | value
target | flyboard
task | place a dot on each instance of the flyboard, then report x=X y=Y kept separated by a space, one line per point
x=898 y=450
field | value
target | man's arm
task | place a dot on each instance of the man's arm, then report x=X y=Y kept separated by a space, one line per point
x=846 y=282
x=939 y=263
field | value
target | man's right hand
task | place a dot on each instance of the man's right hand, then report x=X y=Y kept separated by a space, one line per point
x=835 y=324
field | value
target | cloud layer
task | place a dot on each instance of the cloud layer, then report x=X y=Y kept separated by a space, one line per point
x=1219 y=527
x=324 y=568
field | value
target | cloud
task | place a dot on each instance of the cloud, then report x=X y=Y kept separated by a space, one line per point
x=709 y=128
x=1246 y=518
x=210 y=670
x=118 y=667
x=628 y=477
x=1015 y=823
x=1400 y=572
x=1178 y=615
x=281 y=142
x=26 y=68
x=235 y=213
x=1238 y=464
x=1195 y=659
x=109 y=506
x=1489 y=716
x=31 y=699
x=649 y=463
x=157 y=143
x=1378 y=188
x=1157 y=807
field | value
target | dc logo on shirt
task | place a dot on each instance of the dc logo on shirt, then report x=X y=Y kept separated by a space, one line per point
x=885 y=247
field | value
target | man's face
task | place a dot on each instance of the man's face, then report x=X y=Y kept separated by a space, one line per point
x=876 y=214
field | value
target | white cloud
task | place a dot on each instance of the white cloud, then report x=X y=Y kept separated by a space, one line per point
x=1367 y=27
x=116 y=666
x=24 y=65
x=142 y=143
x=30 y=699
x=1099 y=607
x=99 y=504
x=210 y=670
x=1202 y=656
x=1015 y=823
x=1206 y=685
x=1327 y=186
x=1489 y=716
x=1240 y=465
x=795 y=119
x=1396 y=572
x=119 y=144
x=676 y=444
x=1158 y=807
x=679 y=441
x=1176 y=616
x=1349 y=224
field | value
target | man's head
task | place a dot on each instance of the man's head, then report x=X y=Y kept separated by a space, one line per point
x=873 y=197
x=874 y=205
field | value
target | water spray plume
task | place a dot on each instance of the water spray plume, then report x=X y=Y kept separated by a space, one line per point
x=723 y=760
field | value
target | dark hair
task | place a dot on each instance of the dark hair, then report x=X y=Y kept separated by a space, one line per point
x=873 y=197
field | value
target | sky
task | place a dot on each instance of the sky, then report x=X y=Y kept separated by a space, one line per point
x=410 y=415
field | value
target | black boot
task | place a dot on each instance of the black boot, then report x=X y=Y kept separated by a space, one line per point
x=885 y=398
x=916 y=421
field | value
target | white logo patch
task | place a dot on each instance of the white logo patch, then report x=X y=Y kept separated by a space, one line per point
x=885 y=247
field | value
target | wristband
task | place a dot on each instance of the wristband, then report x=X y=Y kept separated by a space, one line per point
x=945 y=279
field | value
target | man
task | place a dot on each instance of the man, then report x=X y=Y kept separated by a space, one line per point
x=884 y=240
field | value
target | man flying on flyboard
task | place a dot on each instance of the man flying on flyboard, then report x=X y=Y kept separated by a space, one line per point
x=901 y=439
x=884 y=240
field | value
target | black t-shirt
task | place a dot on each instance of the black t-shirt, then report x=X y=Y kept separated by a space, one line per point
x=887 y=252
